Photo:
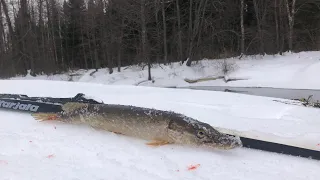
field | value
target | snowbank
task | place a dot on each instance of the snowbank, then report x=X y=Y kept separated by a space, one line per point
x=291 y=70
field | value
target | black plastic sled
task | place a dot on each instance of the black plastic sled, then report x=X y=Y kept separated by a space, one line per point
x=38 y=104
x=25 y=103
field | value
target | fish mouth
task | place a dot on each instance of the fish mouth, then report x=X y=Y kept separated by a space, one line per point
x=226 y=142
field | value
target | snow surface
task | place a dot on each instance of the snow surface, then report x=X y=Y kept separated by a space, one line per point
x=290 y=70
x=53 y=150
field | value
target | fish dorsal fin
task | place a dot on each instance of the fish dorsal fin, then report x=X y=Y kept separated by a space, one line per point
x=72 y=106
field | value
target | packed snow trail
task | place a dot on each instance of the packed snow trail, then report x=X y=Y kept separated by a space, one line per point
x=54 y=150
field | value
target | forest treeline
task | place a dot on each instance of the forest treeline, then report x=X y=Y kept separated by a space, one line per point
x=52 y=36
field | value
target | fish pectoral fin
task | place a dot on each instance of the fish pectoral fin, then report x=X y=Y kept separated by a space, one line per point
x=45 y=116
x=158 y=143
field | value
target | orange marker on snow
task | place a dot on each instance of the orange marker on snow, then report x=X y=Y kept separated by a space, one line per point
x=50 y=156
x=3 y=162
x=193 y=167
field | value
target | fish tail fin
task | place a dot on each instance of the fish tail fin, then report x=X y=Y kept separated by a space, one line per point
x=45 y=116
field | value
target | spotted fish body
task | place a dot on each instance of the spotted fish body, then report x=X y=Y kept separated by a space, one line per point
x=161 y=127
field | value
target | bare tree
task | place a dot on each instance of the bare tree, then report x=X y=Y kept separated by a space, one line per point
x=144 y=36
x=194 y=25
x=242 y=27
x=2 y=38
x=290 y=12
x=260 y=8
x=165 y=48
x=11 y=37
x=276 y=24
x=180 y=53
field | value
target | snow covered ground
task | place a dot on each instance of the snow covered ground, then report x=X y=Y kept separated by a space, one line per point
x=53 y=150
x=291 y=70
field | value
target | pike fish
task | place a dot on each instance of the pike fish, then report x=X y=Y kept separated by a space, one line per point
x=157 y=127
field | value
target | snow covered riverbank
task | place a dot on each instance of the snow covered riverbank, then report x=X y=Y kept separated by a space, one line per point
x=291 y=70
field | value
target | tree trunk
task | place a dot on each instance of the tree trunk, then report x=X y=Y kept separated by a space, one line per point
x=164 y=33
x=12 y=36
x=144 y=37
x=242 y=27
x=277 y=24
x=291 y=14
x=179 y=32
x=195 y=26
x=190 y=49
x=159 y=41
x=120 y=45
x=83 y=46
x=6 y=12
x=2 y=39
x=259 y=24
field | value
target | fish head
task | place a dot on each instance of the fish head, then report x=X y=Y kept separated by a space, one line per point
x=201 y=134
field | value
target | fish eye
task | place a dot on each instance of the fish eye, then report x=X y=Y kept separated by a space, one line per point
x=200 y=134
